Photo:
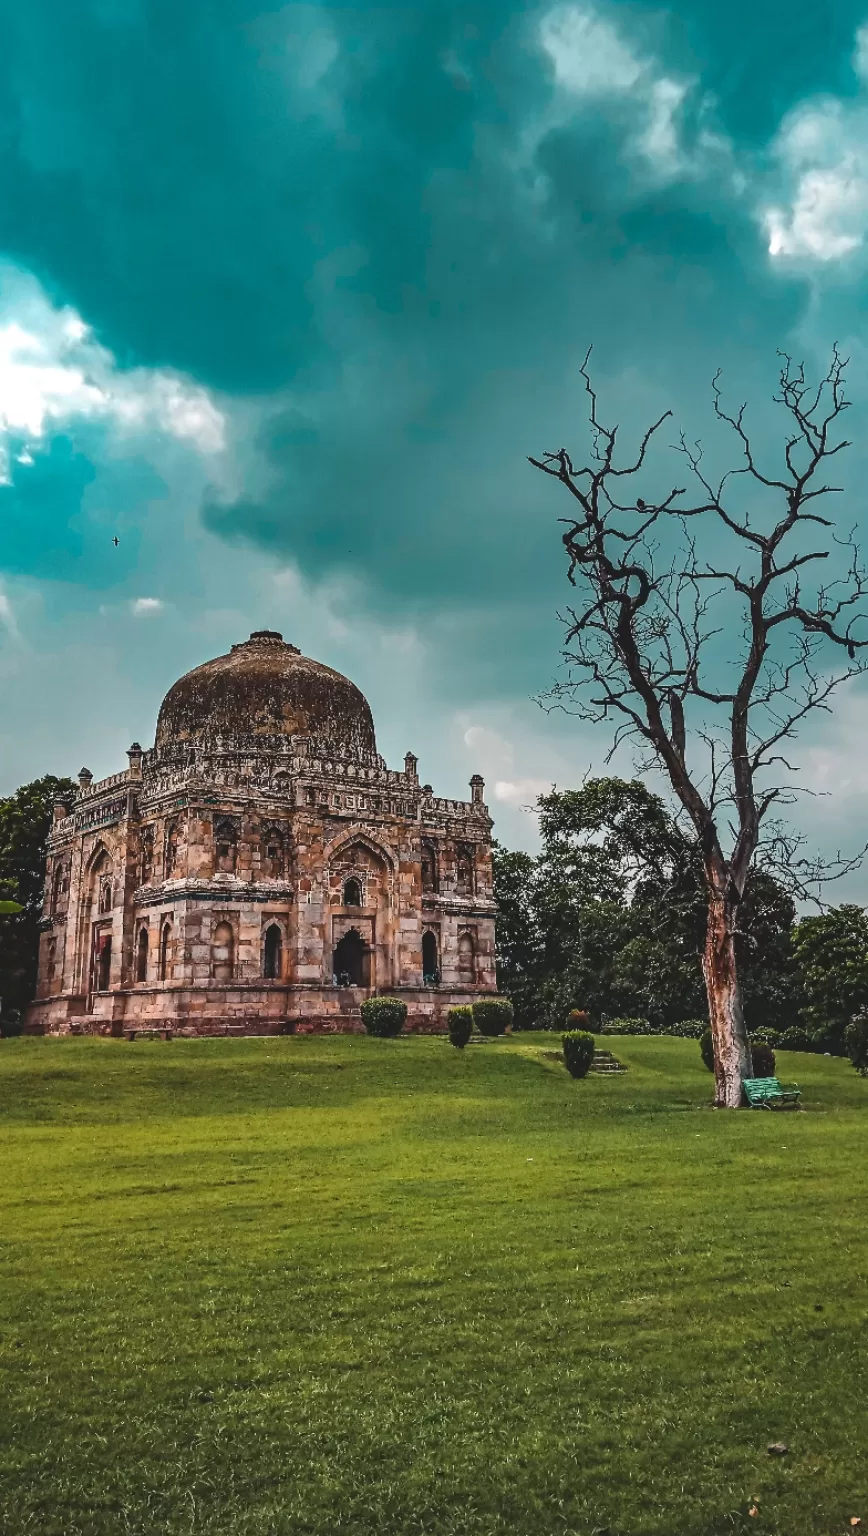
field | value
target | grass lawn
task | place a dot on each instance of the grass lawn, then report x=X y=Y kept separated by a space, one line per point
x=355 y=1286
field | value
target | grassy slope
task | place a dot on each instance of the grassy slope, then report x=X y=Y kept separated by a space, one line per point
x=345 y=1285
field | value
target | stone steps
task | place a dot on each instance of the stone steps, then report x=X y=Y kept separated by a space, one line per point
x=605 y=1064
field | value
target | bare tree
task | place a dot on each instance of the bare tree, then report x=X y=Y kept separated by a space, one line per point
x=710 y=632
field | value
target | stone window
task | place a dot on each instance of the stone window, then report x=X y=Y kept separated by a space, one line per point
x=50 y=960
x=166 y=951
x=173 y=850
x=146 y=855
x=430 y=960
x=225 y=847
x=272 y=953
x=429 y=867
x=104 y=963
x=352 y=892
x=464 y=871
x=142 y=955
x=272 y=857
x=466 y=958
x=223 y=952
x=105 y=895
x=57 y=888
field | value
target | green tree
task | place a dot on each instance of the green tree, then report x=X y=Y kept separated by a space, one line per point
x=831 y=958
x=611 y=916
x=25 y=820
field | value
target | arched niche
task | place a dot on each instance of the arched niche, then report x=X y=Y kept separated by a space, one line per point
x=223 y=952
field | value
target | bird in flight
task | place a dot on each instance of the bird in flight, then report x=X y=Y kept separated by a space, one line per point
x=116 y=541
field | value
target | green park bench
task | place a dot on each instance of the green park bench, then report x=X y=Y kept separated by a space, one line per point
x=768 y=1093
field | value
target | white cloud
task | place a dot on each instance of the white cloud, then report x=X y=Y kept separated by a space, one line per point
x=589 y=56
x=146 y=607
x=520 y=792
x=52 y=371
x=593 y=61
x=821 y=157
x=822 y=152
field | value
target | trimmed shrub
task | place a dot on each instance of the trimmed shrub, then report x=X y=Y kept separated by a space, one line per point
x=460 y=1022
x=706 y=1046
x=577 y=1018
x=795 y=1039
x=687 y=1029
x=856 y=1041
x=578 y=1052
x=492 y=1015
x=383 y=1016
x=763 y=1059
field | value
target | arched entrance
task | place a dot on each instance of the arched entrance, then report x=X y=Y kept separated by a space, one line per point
x=352 y=961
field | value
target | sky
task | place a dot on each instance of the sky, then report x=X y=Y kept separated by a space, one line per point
x=288 y=293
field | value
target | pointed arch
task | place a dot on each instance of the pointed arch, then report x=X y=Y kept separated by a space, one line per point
x=272 y=953
x=360 y=835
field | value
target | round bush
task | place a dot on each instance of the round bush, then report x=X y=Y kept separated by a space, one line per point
x=856 y=1042
x=383 y=1016
x=492 y=1015
x=460 y=1022
x=763 y=1058
x=578 y=1052
x=795 y=1039
x=706 y=1046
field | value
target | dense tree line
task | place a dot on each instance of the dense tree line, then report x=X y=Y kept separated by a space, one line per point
x=25 y=821
x=610 y=918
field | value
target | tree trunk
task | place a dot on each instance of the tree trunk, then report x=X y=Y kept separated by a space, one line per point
x=732 y=1059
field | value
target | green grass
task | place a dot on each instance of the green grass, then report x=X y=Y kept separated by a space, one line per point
x=355 y=1286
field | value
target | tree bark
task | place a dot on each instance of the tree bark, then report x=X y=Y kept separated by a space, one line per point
x=732 y=1058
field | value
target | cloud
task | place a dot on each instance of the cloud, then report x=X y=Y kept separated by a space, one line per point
x=520 y=792
x=821 y=155
x=54 y=373
x=8 y=620
x=594 y=62
x=146 y=607
x=589 y=55
x=822 y=150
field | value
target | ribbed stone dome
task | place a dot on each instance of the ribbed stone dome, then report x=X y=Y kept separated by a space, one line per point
x=265 y=687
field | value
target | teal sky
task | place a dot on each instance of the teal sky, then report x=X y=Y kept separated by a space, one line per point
x=288 y=292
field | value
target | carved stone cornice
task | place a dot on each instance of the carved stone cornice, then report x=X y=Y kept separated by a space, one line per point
x=216 y=890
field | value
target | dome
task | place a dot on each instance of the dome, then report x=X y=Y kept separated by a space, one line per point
x=265 y=687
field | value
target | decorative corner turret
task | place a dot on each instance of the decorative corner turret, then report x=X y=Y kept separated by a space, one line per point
x=134 y=753
x=85 y=779
x=411 y=764
x=477 y=785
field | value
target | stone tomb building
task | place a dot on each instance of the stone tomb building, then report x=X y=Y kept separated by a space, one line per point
x=260 y=869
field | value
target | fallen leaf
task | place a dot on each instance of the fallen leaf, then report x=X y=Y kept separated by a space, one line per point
x=778 y=1449
x=753 y=1510
x=855 y=1519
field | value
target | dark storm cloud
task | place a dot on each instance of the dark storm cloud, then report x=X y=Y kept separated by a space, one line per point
x=371 y=221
